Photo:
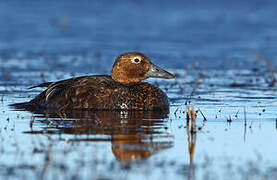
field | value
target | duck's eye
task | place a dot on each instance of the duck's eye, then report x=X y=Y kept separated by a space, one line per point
x=136 y=60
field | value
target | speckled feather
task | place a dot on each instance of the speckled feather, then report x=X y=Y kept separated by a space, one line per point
x=101 y=92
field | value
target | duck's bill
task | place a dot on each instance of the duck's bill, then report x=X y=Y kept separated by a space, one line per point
x=157 y=72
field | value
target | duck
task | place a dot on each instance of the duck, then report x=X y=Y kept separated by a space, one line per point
x=124 y=89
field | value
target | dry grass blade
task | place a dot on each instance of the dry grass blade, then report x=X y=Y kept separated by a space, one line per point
x=205 y=119
x=193 y=120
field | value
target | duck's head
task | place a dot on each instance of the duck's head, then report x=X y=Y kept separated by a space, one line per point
x=132 y=67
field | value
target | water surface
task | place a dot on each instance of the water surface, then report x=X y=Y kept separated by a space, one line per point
x=222 y=53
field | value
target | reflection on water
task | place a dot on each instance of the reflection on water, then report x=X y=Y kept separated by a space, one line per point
x=191 y=138
x=134 y=135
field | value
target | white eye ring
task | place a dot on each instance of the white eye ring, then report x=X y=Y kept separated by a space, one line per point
x=136 y=60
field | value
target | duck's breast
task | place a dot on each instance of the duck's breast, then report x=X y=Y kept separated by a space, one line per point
x=139 y=96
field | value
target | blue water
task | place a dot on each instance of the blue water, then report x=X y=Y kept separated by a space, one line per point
x=217 y=49
x=175 y=32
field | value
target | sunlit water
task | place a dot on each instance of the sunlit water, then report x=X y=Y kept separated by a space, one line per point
x=217 y=51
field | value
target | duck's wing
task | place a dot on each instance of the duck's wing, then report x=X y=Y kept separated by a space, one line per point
x=70 y=92
x=46 y=84
x=54 y=89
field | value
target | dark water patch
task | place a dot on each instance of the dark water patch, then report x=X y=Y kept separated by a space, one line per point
x=232 y=31
x=245 y=97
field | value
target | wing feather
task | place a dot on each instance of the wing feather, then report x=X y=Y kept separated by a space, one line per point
x=46 y=84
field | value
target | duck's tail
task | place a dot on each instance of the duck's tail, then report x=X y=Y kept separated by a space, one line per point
x=27 y=106
x=22 y=106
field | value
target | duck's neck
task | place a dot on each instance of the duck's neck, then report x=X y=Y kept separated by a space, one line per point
x=124 y=78
x=125 y=81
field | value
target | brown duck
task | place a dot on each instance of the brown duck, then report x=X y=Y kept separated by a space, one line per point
x=122 y=90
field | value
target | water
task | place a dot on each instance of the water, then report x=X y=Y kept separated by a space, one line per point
x=216 y=48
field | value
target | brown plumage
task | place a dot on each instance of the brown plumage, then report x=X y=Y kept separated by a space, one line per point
x=121 y=90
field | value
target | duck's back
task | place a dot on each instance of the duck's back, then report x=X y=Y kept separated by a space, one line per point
x=100 y=93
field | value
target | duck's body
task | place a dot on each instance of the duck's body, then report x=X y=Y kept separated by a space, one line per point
x=100 y=92
x=123 y=90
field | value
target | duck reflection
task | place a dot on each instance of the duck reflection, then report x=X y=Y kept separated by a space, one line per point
x=135 y=135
